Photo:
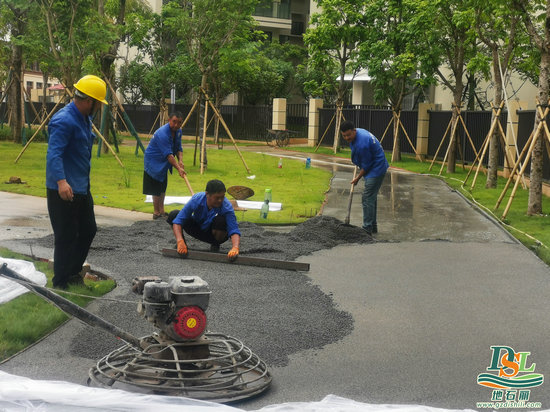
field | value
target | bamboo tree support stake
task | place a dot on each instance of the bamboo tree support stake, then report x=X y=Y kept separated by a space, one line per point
x=514 y=169
x=440 y=144
x=510 y=160
x=521 y=172
x=203 y=143
x=40 y=128
x=386 y=131
x=451 y=141
x=188 y=114
x=153 y=126
x=218 y=114
x=520 y=157
x=531 y=144
x=326 y=130
x=407 y=136
x=467 y=133
x=485 y=145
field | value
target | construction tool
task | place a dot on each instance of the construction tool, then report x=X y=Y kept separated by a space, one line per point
x=240 y=260
x=188 y=184
x=181 y=358
x=350 y=196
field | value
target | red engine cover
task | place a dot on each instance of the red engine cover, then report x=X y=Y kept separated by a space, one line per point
x=190 y=322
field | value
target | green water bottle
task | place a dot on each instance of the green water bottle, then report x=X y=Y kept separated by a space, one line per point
x=265 y=209
x=267 y=195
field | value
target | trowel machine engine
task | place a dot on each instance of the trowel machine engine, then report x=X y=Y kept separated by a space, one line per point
x=176 y=307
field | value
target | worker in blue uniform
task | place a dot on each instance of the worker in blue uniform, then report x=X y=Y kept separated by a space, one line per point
x=70 y=203
x=209 y=217
x=163 y=153
x=367 y=154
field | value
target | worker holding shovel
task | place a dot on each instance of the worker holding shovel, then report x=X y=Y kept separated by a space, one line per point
x=367 y=154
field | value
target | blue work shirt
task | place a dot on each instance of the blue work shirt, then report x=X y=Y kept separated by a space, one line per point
x=160 y=147
x=69 y=149
x=368 y=154
x=197 y=210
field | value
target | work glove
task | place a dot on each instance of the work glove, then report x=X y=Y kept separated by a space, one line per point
x=182 y=247
x=233 y=253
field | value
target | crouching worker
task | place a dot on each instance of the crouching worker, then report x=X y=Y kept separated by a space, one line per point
x=208 y=217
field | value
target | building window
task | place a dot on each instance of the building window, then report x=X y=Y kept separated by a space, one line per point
x=38 y=85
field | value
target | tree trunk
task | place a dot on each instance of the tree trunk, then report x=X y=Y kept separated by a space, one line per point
x=535 y=176
x=15 y=99
x=492 y=172
x=396 y=152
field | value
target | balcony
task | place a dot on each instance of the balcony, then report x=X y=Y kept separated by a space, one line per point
x=273 y=9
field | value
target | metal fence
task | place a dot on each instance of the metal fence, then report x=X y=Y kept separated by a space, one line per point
x=374 y=120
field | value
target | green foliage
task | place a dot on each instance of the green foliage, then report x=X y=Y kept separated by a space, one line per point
x=398 y=63
x=332 y=40
x=75 y=30
x=161 y=63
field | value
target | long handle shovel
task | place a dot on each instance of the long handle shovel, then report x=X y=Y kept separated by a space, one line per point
x=350 y=197
x=188 y=184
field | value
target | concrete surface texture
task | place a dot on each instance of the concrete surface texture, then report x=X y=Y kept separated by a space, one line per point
x=406 y=318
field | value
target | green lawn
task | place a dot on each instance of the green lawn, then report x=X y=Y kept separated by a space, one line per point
x=27 y=318
x=300 y=190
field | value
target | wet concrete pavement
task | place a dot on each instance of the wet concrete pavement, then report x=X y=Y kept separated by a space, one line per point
x=442 y=285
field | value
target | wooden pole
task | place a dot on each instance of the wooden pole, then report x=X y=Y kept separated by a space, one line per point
x=386 y=131
x=522 y=171
x=451 y=141
x=468 y=134
x=514 y=169
x=346 y=221
x=485 y=145
x=188 y=114
x=326 y=130
x=407 y=136
x=203 y=145
x=440 y=144
x=188 y=184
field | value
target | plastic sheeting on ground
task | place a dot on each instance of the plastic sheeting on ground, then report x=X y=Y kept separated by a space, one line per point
x=23 y=394
x=245 y=204
x=9 y=289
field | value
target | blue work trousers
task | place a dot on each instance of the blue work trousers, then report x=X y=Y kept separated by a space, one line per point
x=370 y=193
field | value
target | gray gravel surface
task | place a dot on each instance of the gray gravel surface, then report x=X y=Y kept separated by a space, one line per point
x=274 y=312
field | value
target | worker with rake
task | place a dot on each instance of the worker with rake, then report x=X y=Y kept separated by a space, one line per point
x=208 y=217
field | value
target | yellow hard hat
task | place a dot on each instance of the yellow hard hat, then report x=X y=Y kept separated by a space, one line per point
x=92 y=86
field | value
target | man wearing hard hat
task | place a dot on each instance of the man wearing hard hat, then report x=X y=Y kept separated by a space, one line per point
x=70 y=203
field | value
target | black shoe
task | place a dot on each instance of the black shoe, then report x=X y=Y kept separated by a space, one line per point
x=76 y=281
x=369 y=230
x=374 y=229
x=61 y=286
x=214 y=248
